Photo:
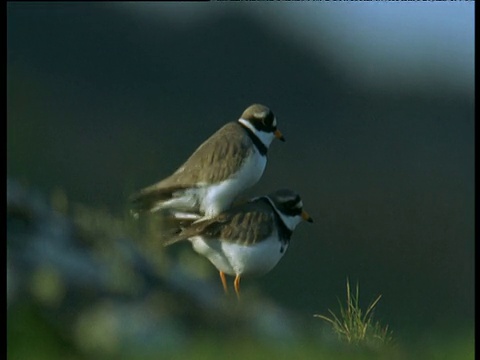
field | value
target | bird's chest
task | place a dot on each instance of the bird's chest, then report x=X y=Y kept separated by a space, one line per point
x=218 y=197
x=251 y=170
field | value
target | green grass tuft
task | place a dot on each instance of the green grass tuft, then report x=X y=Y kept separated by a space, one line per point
x=355 y=326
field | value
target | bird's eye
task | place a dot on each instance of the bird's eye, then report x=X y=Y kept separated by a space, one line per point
x=291 y=204
x=269 y=121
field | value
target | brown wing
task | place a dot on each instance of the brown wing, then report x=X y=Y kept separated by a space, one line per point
x=246 y=224
x=214 y=161
x=209 y=162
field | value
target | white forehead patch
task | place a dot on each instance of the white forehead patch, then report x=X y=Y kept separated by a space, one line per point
x=264 y=137
x=299 y=205
x=274 y=123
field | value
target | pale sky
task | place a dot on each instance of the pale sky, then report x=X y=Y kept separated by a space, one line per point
x=377 y=43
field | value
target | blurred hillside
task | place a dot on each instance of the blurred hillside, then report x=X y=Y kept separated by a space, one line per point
x=101 y=102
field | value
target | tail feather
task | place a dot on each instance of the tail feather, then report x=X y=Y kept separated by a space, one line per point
x=150 y=199
x=178 y=233
x=181 y=222
x=145 y=200
x=173 y=240
x=174 y=208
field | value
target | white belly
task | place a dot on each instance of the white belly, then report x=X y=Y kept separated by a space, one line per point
x=219 y=197
x=233 y=259
x=213 y=199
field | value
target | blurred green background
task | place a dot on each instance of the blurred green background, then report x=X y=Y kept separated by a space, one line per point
x=376 y=102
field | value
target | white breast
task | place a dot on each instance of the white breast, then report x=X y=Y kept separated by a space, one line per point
x=219 y=197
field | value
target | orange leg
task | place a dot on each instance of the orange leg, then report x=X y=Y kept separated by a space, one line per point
x=224 y=282
x=236 y=284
